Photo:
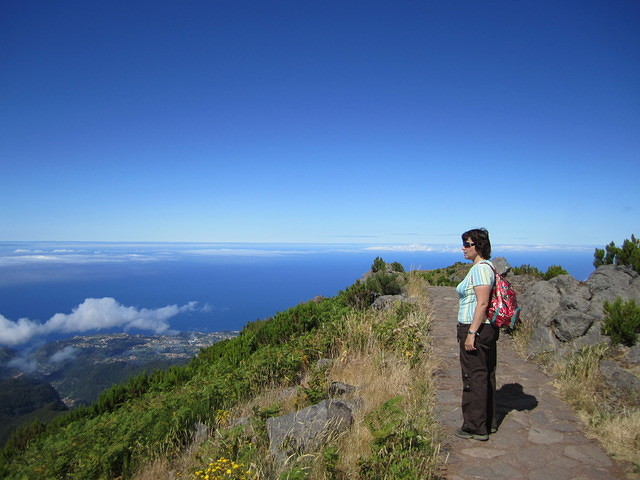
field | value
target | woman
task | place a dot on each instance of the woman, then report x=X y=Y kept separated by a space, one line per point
x=477 y=339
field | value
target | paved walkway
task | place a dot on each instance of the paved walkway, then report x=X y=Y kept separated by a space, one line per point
x=539 y=437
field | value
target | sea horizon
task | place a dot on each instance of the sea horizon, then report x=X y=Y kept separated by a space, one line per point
x=59 y=289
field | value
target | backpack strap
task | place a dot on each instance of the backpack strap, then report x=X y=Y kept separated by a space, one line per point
x=486 y=262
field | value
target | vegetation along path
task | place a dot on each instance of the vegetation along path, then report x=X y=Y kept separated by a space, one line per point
x=539 y=436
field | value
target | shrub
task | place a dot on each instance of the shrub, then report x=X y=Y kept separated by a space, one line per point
x=628 y=255
x=554 y=271
x=622 y=321
x=447 y=277
x=400 y=449
x=526 y=270
x=363 y=293
x=397 y=267
x=378 y=265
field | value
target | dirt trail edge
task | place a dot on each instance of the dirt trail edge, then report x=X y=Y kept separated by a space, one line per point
x=539 y=436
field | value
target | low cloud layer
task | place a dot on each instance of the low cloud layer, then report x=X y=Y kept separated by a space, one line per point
x=406 y=248
x=67 y=353
x=92 y=314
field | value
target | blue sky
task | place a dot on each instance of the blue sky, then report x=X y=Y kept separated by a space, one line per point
x=401 y=122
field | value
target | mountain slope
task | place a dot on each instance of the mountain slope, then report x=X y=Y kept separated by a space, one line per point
x=154 y=415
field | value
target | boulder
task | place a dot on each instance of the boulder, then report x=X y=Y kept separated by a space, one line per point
x=609 y=282
x=569 y=325
x=633 y=355
x=593 y=336
x=620 y=381
x=539 y=303
x=543 y=339
x=385 y=302
x=501 y=265
x=568 y=286
x=307 y=430
x=568 y=313
x=337 y=389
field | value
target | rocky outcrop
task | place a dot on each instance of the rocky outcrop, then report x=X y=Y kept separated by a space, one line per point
x=567 y=313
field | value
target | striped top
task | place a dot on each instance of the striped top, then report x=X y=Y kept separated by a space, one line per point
x=480 y=274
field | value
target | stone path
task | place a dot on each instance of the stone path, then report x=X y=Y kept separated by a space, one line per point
x=539 y=437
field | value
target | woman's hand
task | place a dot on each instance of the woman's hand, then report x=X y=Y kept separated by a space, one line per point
x=483 y=292
x=470 y=342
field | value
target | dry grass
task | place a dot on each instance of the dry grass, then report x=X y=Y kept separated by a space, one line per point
x=377 y=383
x=614 y=421
x=620 y=435
x=522 y=337
x=380 y=375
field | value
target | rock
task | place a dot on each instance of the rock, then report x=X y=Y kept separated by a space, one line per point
x=200 y=433
x=307 y=430
x=323 y=364
x=571 y=324
x=241 y=422
x=337 y=389
x=539 y=303
x=633 y=355
x=501 y=265
x=609 y=282
x=620 y=380
x=574 y=302
x=568 y=286
x=593 y=336
x=385 y=302
x=572 y=311
x=543 y=339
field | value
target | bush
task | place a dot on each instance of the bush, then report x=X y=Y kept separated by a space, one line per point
x=554 y=271
x=400 y=449
x=397 y=267
x=378 y=265
x=526 y=270
x=622 y=321
x=628 y=255
x=363 y=293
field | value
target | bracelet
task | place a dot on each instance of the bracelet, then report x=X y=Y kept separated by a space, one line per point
x=471 y=332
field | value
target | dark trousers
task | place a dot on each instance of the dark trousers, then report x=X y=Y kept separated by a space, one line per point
x=479 y=379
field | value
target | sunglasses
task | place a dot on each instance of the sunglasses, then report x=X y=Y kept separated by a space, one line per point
x=467 y=244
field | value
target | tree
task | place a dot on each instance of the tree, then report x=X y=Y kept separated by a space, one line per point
x=628 y=255
x=378 y=265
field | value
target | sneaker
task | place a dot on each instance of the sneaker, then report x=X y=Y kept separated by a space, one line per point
x=468 y=435
x=494 y=429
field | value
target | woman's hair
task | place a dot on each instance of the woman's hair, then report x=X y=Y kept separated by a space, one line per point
x=479 y=236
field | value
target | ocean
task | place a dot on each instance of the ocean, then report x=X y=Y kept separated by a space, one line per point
x=228 y=285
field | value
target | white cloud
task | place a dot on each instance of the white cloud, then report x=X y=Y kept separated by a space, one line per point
x=93 y=314
x=15 y=333
x=67 y=353
x=25 y=365
x=243 y=252
x=543 y=248
x=416 y=247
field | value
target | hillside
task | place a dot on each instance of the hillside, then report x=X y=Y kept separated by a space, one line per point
x=67 y=373
x=384 y=352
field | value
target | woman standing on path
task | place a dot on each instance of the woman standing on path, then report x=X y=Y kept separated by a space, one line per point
x=477 y=339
